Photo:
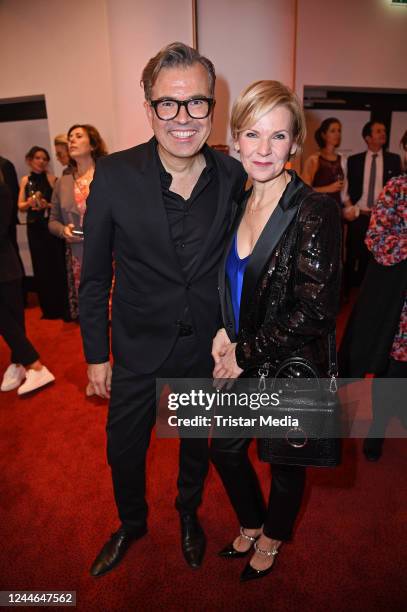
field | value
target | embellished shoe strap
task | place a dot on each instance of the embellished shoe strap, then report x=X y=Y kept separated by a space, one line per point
x=266 y=553
x=245 y=536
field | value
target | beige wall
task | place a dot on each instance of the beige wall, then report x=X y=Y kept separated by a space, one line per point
x=137 y=30
x=86 y=56
x=246 y=41
x=59 y=49
x=358 y=43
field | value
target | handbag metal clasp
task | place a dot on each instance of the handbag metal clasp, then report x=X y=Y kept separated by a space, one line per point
x=333 y=385
x=263 y=373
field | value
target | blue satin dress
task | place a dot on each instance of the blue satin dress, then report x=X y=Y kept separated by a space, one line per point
x=235 y=269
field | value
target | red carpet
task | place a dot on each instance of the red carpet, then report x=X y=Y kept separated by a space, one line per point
x=57 y=510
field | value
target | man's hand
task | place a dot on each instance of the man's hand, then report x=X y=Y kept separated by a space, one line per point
x=226 y=368
x=100 y=377
x=219 y=345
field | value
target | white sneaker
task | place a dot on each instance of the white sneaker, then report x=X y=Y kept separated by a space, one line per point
x=35 y=380
x=13 y=377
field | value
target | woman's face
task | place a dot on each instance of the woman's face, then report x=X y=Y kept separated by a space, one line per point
x=61 y=151
x=266 y=145
x=78 y=143
x=333 y=135
x=39 y=162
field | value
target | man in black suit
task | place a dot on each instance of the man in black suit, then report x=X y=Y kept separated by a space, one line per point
x=162 y=209
x=367 y=173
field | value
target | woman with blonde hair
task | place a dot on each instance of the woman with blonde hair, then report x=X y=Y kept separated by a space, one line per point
x=62 y=153
x=281 y=220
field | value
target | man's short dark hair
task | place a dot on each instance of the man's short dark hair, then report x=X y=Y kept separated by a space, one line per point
x=175 y=55
x=367 y=128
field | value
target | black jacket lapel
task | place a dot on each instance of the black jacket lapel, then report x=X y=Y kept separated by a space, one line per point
x=224 y=296
x=224 y=200
x=271 y=235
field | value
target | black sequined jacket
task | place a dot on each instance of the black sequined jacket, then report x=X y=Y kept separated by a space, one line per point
x=298 y=320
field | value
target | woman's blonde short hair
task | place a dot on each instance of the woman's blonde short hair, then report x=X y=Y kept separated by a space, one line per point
x=61 y=139
x=260 y=98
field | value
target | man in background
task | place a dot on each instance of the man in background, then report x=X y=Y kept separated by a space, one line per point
x=367 y=173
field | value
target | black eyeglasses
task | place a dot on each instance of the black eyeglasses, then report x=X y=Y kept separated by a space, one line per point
x=197 y=108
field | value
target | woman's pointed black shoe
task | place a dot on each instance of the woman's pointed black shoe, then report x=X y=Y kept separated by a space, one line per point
x=250 y=573
x=230 y=552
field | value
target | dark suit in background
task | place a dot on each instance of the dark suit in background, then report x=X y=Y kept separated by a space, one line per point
x=357 y=254
x=165 y=309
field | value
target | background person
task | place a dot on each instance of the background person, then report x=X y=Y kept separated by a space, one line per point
x=47 y=253
x=375 y=339
x=268 y=127
x=62 y=153
x=25 y=370
x=324 y=170
x=366 y=174
x=85 y=146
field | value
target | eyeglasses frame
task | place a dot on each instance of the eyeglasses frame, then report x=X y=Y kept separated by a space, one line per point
x=184 y=103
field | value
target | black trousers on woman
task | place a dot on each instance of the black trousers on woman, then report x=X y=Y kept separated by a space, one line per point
x=12 y=326
x=230 y=457
x=48 y=260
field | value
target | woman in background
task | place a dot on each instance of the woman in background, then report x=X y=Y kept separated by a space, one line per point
x=324 y=170
x=25 y=370
x=62 y=153
x=85 y=146
x=47 y=254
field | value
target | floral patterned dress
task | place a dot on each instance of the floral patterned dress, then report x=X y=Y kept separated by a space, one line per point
x=386 y=238
x=81 y=192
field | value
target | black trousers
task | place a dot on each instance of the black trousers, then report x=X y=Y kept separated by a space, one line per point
x=131 y=417
x=12 y=325
x=48 y=260
x=388 y=397
x=357 y=253
x=230 y=456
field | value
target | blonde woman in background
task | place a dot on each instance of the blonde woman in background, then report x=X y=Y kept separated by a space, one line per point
x=62 y=153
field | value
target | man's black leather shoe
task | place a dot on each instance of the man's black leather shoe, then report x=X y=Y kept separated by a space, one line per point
x=372 y=448
x=113 y=552
x=193 y=540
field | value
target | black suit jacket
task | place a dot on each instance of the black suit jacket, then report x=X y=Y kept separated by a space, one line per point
x=355 y=173
x=10 y=267
x=297 y=319
x=126 y=217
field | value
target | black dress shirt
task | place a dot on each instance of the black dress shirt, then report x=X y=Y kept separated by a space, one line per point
x=190 y=220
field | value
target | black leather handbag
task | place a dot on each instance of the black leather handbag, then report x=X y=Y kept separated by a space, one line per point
x=310 y=434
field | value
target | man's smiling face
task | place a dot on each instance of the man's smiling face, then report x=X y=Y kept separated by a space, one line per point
x=182 y=137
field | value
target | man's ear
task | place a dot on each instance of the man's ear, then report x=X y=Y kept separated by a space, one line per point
x=149 y=112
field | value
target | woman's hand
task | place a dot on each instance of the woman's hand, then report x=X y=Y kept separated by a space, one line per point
x=220 y=342
x=350 y=213
x=226 y=367
x=68 y=235
x=334 y=187
x=43 y=203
